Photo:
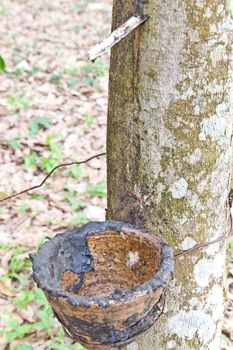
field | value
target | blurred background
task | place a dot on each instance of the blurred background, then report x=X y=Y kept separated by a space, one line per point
x=53 y=105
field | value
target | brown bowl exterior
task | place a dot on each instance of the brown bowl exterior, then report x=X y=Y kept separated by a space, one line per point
x=114 y=326
x=107 y=321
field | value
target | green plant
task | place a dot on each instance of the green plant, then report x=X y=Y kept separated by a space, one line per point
x=32 y=160
x=96 y=69
x=33 y=70
x=91 y=81
x=55 y=150
x=38 y=196
x=89 y=119
x=230 y=8
x=16 y=103
x=25 y=346
x=97 y=190
x=77 y=29
x=24 y=298
x=76 y=172
x=79 y=219
x=71 y=68
x=71 y=197
x=2 y=65
x=5 y=9
x=231 y=250
x=23 y=208
x=39 y=123
x=14 y=144
x=47 y=164
x=224 y=340
x=19 y=265
x=15 y=329
x=55 y=77
x=18 y=334
x=45 y=320
x=81 y=6
x=61 y=346
x=92 y=72
x=5 y=246
x=72 y=83
x=17 y=72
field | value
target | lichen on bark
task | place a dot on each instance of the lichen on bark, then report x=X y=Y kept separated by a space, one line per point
x=168 y=143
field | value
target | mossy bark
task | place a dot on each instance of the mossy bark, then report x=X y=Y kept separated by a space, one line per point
x=168 y=144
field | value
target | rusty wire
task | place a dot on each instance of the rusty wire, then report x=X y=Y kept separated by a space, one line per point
x=181 y=253
x=49 y=174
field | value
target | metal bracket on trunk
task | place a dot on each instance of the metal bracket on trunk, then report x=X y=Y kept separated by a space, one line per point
x=118 y=34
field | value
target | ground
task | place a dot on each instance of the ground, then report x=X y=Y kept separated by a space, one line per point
x=53 y=106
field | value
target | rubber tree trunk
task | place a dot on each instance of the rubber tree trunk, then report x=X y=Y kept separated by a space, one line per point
x=168 y=144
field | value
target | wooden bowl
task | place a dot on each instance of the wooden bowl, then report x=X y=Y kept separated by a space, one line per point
x=105 y=281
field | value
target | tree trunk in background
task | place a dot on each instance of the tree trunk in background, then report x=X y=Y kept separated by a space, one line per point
x=168 y=143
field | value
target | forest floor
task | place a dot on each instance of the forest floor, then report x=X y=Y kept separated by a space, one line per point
x=53 y=105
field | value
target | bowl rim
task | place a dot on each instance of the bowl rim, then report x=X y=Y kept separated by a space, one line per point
x=120 y=295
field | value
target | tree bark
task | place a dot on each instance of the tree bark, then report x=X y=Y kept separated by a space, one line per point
x=168 y=144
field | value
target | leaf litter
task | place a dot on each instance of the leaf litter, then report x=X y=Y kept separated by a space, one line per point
x=53 y=106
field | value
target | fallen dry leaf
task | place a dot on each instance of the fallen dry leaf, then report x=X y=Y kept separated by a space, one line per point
x=5 y=288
